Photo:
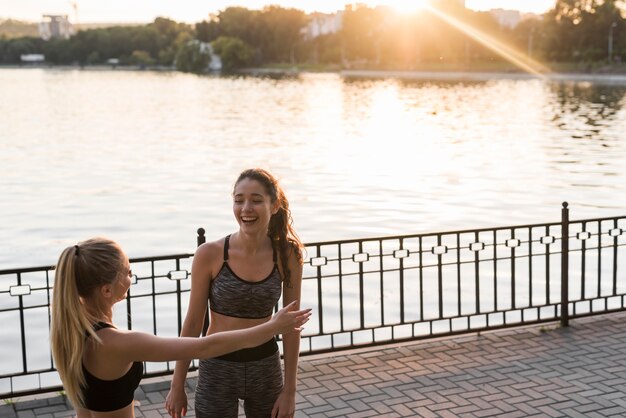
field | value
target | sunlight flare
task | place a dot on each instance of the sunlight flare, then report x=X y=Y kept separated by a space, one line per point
x=507 y=52
x=407 y=7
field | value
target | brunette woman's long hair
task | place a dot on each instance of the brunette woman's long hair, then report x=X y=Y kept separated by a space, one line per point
x=80 y=272
x=280 y=229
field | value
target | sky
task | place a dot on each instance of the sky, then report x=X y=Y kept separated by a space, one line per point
x=192 y=11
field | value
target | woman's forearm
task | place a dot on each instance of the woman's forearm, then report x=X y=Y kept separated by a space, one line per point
x=180 y=373
x=190 y=328
x=291 y=344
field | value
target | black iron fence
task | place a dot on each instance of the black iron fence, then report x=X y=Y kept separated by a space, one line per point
x=363 y=292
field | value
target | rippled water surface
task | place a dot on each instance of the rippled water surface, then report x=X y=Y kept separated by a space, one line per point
x=147 y=158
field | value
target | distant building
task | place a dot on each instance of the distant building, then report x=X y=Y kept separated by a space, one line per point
x=55 y=26
x=506 y=18
x=215 y=63
x=323 y=24
x=205 y=48
x=32 y=58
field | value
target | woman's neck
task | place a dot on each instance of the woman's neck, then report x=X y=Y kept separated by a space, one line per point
x=251 y=244
x=101 y=314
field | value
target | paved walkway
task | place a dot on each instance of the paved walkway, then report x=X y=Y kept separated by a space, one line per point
x=532 y=371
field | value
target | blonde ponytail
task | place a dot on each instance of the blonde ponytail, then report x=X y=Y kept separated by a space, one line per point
x=80 y=270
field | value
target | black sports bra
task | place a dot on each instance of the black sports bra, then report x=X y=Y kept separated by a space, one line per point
x=110 y=395
x=233 y=296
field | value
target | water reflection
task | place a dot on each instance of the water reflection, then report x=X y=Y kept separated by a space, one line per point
x=587 y=149
x=587 y=111
x=147 y=158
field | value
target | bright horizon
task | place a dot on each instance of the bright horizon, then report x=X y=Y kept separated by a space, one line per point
x=191 y=11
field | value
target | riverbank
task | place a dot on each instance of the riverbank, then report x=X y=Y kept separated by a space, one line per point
x=600 y=78
x=563 y=73
x=451 y=72
x=485 y=76
x=452 y=67
x=101 y=67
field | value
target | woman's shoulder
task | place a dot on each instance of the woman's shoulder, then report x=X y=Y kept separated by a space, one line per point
x=210 y=250
x=112 y=338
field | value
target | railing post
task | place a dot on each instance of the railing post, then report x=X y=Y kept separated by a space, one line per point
x=564 y=265
x=201 y=238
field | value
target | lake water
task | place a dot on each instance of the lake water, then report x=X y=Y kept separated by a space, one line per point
x=146 y=158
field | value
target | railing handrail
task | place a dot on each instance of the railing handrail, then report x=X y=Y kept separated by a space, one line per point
x=484 y=278
x=342 y=241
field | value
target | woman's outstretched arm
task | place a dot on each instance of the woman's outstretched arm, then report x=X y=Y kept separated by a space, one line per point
x=140 y=346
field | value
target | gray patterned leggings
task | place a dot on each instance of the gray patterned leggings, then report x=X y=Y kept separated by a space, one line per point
x=221 y=383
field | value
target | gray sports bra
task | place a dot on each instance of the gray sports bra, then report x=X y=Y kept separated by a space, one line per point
x=233 y=296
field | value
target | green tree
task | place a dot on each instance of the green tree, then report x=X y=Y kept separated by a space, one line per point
x=17 y=47
x=141 y=58
x=233 y=52
x=242 y=23
x=94 y=58
x=578 y=30
x=324 y=49
x=192 y=57
x=281 y=30
x=167 y=56
x=147 y=38
x=360 y=31
x=58 y=51
x=169 y=31
x=86 y=42
x=3 y=47
x=207 y=31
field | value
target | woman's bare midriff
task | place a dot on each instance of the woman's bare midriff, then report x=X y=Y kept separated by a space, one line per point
x=221 y=323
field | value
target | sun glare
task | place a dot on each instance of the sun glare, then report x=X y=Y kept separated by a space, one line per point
x=509 y=53
x=407 y=6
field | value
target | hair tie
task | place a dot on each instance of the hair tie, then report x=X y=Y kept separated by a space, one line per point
x=76 y=248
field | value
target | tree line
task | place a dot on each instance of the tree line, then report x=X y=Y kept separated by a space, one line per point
x=573 y=31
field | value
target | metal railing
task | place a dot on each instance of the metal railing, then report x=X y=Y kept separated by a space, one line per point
x=363 y=292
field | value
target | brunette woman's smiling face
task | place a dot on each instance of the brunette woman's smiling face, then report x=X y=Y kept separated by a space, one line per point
x=252 y=206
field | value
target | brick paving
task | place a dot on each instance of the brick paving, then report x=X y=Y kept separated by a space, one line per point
x=538 y=371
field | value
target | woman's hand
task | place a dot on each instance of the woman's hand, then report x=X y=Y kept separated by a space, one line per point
x=285 y=405
x=176 y=403
x=289 y=319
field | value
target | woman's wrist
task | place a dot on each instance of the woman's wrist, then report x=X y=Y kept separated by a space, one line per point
x=289 y=389
x=272 y=326
x=177 y=383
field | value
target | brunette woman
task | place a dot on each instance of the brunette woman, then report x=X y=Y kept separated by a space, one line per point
x=243 y=276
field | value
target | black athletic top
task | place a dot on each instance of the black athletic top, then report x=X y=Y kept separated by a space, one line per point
x=110 y=395
x=233 y=296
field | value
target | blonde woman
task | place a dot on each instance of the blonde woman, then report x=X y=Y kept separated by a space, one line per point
x=100 y=365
